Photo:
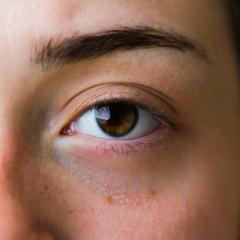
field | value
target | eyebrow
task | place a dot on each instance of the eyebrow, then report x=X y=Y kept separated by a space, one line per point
x=58 y=52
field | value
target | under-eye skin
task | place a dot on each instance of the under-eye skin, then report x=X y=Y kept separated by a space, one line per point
x=118 y=123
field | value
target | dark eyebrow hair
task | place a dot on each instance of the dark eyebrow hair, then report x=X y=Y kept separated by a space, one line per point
x=76 y=48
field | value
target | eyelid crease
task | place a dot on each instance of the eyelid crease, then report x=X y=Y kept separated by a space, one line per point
x=160 y=95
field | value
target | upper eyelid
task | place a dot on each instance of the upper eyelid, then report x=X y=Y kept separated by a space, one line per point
x=158 y=94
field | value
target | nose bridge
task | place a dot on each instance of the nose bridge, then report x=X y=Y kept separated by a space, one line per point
x=15 y=220
x=13 y=223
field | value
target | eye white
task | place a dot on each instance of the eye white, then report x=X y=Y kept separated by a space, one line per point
x=87 y=124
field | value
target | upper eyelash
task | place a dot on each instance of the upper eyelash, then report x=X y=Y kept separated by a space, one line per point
x=161 y=115
x=106 y=101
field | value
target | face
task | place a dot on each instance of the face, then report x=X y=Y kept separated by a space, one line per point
x=119 y=120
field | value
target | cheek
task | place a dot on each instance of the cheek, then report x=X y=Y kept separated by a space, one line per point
x=192 y=207
x=169 y=215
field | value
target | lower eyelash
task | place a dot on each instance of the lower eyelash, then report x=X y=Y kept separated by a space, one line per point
x=128 y=148
x=102 y=148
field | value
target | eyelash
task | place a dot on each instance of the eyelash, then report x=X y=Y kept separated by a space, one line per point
x=105 y=101
x=125 y=147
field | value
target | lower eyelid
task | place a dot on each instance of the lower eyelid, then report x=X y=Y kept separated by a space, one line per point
x=101 y=147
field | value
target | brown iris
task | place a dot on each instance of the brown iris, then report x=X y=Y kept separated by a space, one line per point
x=116 y=119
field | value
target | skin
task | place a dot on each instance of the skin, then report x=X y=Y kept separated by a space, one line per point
x=183 y=188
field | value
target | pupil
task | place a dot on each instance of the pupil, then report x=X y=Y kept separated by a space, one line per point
x=116 y=119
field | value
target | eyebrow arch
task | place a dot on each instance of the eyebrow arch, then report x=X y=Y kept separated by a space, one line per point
x=59 y=52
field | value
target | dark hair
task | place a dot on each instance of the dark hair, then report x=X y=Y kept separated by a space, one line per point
x=234 y=14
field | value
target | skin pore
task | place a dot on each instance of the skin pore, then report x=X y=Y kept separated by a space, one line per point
x=177 y=181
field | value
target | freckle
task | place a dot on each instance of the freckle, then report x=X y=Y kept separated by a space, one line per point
x=109 y=199
x=71 y=211
x=152 y=193
x=46 y=187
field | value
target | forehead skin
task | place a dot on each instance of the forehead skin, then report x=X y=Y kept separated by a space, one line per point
x=193 y=211
x=32 y=21
x=62 y=17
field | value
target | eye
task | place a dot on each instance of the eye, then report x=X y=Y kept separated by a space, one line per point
x=121 y=121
